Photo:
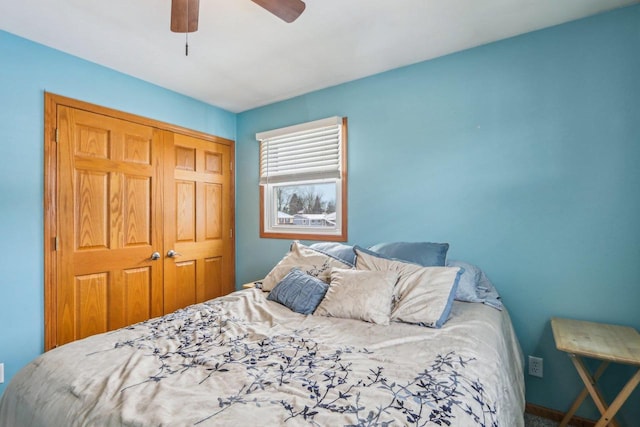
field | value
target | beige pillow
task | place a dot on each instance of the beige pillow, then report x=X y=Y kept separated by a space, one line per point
x=422 y=295
x=312 y=262
x=362 y=295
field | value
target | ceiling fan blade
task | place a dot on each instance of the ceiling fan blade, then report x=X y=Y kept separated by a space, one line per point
x=179 y=17
x=287 y=10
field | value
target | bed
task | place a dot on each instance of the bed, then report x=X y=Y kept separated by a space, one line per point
x=245 y=359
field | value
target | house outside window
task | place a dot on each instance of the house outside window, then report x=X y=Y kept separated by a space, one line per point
x=303 y=181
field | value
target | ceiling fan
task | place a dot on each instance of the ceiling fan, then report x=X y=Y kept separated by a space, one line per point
x=184 y=13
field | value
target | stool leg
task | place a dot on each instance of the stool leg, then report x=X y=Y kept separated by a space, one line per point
x=619 y=400
x=590 y=383
x=583 y=394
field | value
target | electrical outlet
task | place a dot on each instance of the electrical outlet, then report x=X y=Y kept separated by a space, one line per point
x=535 y=366
x=1 y=373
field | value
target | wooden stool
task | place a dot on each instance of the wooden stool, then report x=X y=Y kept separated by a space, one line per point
x=608 y=343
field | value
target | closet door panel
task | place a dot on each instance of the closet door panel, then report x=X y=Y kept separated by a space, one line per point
x=109 y=223
x=185 y=211
x=91 y=304
x=213 y=284
x=198 y=220
x=213 y=214
x=137 y=210
x=184 y=286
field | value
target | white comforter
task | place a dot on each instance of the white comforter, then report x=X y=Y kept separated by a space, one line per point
x=243 y=360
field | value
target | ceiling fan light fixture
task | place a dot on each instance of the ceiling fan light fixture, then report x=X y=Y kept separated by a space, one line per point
x=184 y=16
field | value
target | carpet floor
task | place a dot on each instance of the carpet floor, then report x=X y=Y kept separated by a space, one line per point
x=534 y=421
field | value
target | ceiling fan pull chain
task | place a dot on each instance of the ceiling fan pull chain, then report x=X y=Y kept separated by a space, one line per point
x=186 y=34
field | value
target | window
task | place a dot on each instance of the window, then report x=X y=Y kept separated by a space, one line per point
x=303 y=181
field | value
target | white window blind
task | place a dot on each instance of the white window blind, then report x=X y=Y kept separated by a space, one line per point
x=303 y=152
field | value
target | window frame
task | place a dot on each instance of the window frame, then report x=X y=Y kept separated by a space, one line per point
x=282 y=231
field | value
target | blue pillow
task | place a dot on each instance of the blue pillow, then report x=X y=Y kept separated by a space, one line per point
x=336 y=250
x=299 y=292
x=468 y=281
x=475 y=286
x=426 y=254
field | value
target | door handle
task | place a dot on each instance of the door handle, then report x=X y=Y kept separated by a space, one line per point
x=155 y=256
x=172 y=254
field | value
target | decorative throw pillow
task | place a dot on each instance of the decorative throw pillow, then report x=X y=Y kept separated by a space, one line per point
x=426 y=254
x=468 y=281
x=299 y=292
x=475 y=286
x=312 y=262
x=359 y=294
x=337 y=250
x=422 y=295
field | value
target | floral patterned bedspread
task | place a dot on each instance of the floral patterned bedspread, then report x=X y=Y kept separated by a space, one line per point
x=243 y=360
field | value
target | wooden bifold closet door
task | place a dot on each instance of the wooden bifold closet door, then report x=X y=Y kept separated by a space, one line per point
x=196 y=228
x=138 y=219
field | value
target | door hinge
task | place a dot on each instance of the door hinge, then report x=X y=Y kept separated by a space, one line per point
x=55 y=243
x=56 y=134
x=231 y=166
x=231 y=233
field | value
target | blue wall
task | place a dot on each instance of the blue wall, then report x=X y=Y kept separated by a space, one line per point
x=523 y=154
x=26 y=71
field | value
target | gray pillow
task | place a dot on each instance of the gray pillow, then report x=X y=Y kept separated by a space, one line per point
x=359 y=294
x=299 y=292
x=422 y=295
x=427 y=254
x=311 y=261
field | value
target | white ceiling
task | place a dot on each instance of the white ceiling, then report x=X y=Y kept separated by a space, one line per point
x=243 y=57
